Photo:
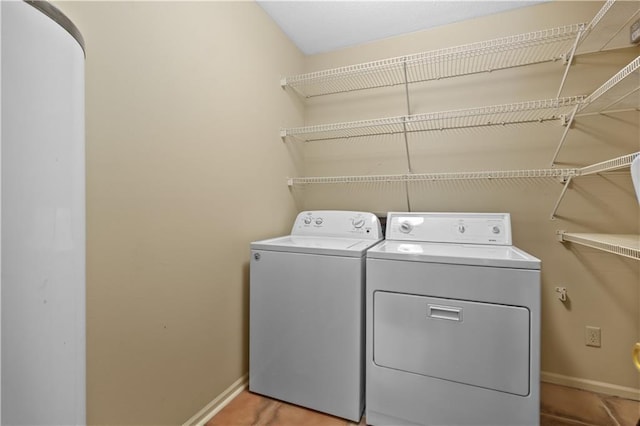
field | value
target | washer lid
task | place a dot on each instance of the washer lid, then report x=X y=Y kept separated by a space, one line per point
x=459 y=254
x=316 y=245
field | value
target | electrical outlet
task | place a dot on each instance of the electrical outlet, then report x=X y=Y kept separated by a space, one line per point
x=592 y=336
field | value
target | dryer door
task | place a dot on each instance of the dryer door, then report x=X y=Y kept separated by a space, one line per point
x=479 y=344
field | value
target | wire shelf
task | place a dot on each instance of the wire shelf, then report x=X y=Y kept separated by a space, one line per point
x=420 y=177
x=522 y=112
x=379 y=126
x=609 y=29
x=609 y=165
x=620 y=92
x=494 y=115
x=627 y=245
x=485 y=56
x=605 y=166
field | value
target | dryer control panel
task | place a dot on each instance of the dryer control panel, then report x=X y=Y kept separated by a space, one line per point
x=338 y=224
x=461 y=228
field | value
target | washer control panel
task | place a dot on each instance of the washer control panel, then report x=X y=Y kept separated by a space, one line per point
x=462 y=228
x=338 y=224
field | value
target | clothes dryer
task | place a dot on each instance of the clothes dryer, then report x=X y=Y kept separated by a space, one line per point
x=453 y=323
x=306 y=327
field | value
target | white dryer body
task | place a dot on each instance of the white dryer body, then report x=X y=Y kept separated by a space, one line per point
x=453 y=323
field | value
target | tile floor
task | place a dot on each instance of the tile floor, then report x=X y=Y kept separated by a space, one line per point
x=560 y=406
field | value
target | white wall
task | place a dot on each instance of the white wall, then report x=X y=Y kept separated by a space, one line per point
x=185 y=167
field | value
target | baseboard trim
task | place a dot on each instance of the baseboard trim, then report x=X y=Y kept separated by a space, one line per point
x=212 y=408
x=591 y=385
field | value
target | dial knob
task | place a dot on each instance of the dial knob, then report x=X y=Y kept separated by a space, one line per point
x=461 y=229
x=495 y=229
x=357 y=223
x=307 y=220
x=405 y=227
x=319 y=221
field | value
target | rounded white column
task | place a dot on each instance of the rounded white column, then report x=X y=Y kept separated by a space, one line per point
x=43 y=217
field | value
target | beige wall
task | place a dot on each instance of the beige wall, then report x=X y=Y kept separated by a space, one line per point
x=603 y=289
x=184 y=168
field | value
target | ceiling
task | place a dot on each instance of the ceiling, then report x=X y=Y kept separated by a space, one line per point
x=318 y=26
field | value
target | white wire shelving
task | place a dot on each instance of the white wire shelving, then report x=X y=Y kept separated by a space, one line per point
x=602 y=167
x=620 y=93
x=485 y=56
x=537 y=111
x=609 y=29
x=396 y=124
x=608 y=165
x=425 y=177
x=627 y=245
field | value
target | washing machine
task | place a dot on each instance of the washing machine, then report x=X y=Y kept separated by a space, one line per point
x=306 y=327
x=453 y=323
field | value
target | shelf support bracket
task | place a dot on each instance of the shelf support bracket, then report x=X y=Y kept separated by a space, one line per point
x=564 y=190
x=564 y=134
x=570 y=59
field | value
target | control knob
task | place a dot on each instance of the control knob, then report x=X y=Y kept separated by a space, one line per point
x=358 y=222
x=495 y=230
x=406 y=227
x=319 y=221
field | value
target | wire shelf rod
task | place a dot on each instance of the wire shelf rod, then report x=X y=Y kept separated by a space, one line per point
x=420 y=177
x=627 y=245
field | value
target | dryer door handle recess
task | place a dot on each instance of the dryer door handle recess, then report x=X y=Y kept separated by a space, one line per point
x=451 y=313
